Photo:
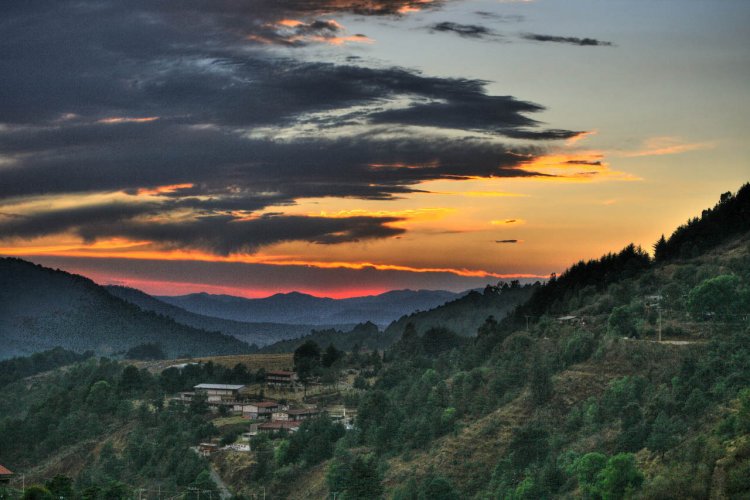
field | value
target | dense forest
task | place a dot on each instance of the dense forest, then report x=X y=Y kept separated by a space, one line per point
x=624 y=377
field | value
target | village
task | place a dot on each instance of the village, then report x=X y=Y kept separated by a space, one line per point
x=277 y=407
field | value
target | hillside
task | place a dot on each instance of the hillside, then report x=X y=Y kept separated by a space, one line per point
x=363 y=336
x=300 y=308
x=259 y=334
x=42 y=308
x=465 y=314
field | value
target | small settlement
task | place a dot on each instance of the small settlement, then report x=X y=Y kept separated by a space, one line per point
x=263 y=415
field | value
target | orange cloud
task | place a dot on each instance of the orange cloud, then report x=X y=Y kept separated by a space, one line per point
x=658 y=146
x=163 y=189
x=125 y=119
x=583 y=166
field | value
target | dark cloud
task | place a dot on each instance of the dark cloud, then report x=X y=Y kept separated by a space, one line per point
x=464 y=30
x=584 y=162
x=103 y=96
x=504 y=18
x=220 y=234
x=506 y=241
x=572 y=40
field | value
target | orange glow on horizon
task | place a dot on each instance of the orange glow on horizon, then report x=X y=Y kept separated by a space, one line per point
x=259 y=258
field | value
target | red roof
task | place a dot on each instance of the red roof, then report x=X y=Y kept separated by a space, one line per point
x=280 y=373
x=5 y=472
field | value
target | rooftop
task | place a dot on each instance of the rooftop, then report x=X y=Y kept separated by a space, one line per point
x=265 y=404
x=226 y=387
x=4 y=471
x=303 y=411
x=280 y=372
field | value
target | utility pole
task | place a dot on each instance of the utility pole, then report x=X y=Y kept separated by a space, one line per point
x=527 y=322
x=658 y=309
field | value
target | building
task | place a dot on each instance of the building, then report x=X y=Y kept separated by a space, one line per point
x=281 y=378
x=296 y=415
x=206 y=449
x=261 y=409
x=5 y=475
x=220 y=392
x=274 y=426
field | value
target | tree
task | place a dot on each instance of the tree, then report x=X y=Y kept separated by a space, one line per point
x=101 y=398
x=660 y=249
x=202 y=487
x=364 y=480
x=662 y=435
x=306 y=360
x=330 y=356
x=541 y=380
x=36 y=492
x=436 y=487
x=715 y=296
x=147 y=351
x=586 y=470
x=622 y=323
x=620 y=477
x=61 y=487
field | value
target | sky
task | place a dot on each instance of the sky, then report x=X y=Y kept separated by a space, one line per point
x=350 y=147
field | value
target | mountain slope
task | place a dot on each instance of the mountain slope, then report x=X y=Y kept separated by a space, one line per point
x=253 y=333
x=300 y=308
x=465 y=314
x=42 y=308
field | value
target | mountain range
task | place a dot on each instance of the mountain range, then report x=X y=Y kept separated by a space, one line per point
x=300 y=308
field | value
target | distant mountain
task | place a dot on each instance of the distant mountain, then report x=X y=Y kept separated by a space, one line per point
x=467 y=313
x=259 y=334
x=42 y=308
x=300 y=308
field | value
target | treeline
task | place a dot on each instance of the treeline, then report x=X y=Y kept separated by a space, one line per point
x=362 y=336
x=22 y=367
x=728 y=218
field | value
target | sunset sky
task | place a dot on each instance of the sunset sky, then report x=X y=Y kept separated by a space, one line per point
x=349 y=147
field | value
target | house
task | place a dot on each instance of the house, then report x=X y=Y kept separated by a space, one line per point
x=274 y=426
x=220 y=392
x=260 y=409
x=5 y=475
x=206 y=449
x=568 y=320
x=281 y=378
x=295 y=415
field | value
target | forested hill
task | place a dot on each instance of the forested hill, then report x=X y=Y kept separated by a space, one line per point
x=253 y=333
x=466 y=314
x=42 y=308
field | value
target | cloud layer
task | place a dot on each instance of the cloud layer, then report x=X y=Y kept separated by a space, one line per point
x=103 y=97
